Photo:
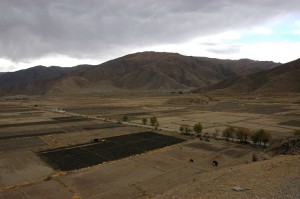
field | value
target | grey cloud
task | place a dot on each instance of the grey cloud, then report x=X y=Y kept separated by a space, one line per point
x=226 y=50
x=221 y=47
x=31 y=29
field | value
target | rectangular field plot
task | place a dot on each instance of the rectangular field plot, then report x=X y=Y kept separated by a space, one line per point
x=29 y=133
x=54 y=121
x=264 y=109
x=102 y=126
x=295 y=123
x=111 y=148
x=20 y=143
x=15 y=110
x=13 y=116
x=70 y=119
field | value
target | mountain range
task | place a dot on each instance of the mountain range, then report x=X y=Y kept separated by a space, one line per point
x=32 y=81
x=284 y=78
x=152 y=71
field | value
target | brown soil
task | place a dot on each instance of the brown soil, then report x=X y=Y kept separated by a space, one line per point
x=275 y=178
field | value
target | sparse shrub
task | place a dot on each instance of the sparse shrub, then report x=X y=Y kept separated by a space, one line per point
x=198 y=129
x=153 y=120
x=228 y=132
x=267 y=138
x=185 y=129
x=144 y=121
x=181 y=129
x=125 y=118
x=188 y=130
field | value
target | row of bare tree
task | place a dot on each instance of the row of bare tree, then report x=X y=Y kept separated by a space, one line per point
x=260 y=137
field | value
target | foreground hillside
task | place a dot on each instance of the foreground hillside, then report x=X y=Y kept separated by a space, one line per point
x=284 y=78
x=139 y=71
x=275 y=178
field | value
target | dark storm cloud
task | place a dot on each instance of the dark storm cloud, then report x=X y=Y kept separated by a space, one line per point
x=31 y=29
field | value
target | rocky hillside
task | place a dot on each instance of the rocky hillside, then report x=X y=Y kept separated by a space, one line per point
x=278 y=177
x=36 y=80
x=158 y=71
x=139 y=71
x=284 y=78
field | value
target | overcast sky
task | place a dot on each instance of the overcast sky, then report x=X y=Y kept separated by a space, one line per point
x=72 y=32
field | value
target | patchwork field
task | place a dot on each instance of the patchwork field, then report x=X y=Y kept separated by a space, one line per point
x=80 y=145
x=108 y=149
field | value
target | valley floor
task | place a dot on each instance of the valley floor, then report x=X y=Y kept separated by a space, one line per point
x=179 y=170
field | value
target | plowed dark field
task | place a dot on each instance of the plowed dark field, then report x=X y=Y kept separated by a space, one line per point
x=111 y=148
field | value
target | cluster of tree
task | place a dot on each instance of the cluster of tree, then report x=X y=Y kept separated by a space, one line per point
x=144 y=121
x=229 y=132
x=242 y=134
x=261 y=136
x=186 y=130
x=198 y=129
x=153 y=121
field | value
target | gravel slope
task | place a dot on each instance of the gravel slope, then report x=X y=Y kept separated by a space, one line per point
x=278 y=177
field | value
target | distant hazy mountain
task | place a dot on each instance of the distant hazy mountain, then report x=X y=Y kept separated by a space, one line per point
x=281 y=79
x=143 y=71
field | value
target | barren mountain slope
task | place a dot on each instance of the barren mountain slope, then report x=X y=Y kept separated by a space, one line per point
x=284 y=78
x=158 y=71
x=139 y=71
x=33 y=81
